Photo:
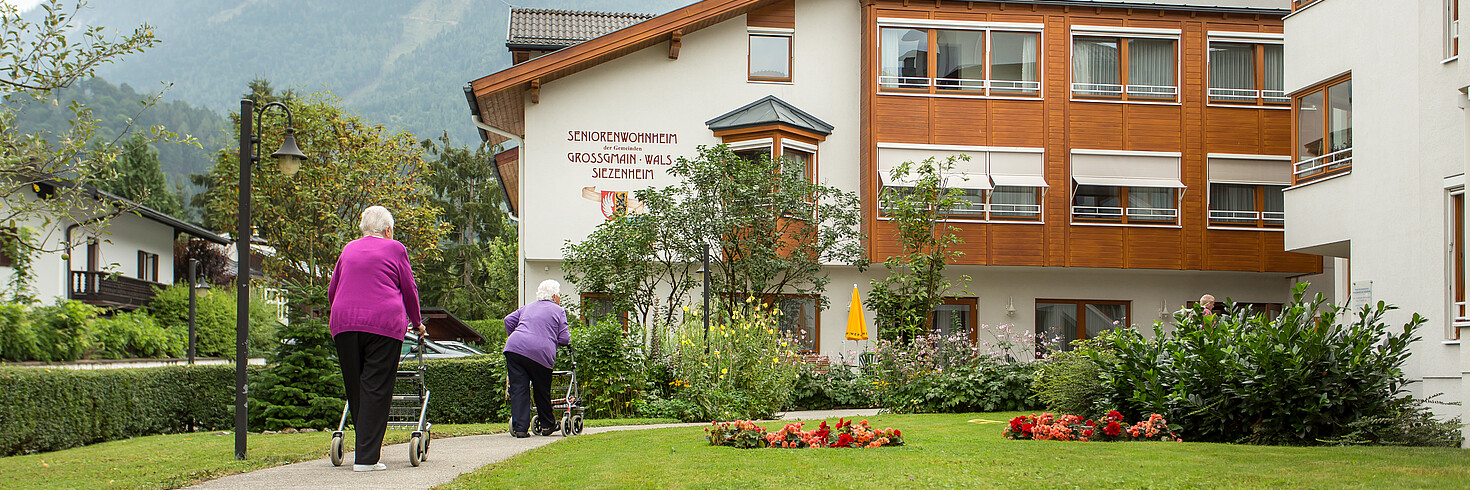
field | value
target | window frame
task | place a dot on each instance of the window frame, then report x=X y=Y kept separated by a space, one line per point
x=148 y=266
x=931 y=88
x=1261 y=221
x=773 y=32
x=817 y=299
x=1124 y=217
x=1451 y=30
x=586 y=320
x=1459 y=312
x=1339 y=162
x=1278 y=100
x=1123 y=35
x=973 y=317
x=1081 y=316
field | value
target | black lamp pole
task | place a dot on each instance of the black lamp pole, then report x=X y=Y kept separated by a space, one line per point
x=706 y=296
x=193 y=275
x=289 y=159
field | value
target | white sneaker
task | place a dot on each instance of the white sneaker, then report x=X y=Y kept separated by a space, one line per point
x=369 y=467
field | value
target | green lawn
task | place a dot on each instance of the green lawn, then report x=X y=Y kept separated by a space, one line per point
x=176 y=460
x=956 y=451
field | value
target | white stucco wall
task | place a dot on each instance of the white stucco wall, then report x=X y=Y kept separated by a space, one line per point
x=1409 y=135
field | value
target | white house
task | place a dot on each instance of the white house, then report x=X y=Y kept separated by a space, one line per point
x=1386 y=198
x=116 y=268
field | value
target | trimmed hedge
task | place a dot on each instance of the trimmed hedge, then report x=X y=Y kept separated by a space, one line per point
x=52 y=409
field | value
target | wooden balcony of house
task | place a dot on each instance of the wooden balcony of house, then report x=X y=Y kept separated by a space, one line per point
x=106 y=290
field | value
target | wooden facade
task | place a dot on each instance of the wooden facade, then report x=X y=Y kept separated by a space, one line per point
x=1060 y=123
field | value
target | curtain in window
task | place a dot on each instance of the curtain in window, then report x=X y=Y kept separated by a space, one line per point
x=972 y=201
x=1056 y=321
x=1004 y=195
x=1233 y=69
x=1275 y=200
x=951 y=319
x=1101 y=318
x=1232 y=197
x=1151 y=63
x=801 y=159
x=799 y=320
x=1274 y=62
x=1095 y=64
x=1150 y=199
x=960 y=57
x=905 y=53
x=1013 y=58
x=1340 y=99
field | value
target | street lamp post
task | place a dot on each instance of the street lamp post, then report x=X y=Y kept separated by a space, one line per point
x=705 y=271
x=288 y=159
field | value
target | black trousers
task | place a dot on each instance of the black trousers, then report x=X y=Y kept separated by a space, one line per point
x=525 y=376
x=369 y=367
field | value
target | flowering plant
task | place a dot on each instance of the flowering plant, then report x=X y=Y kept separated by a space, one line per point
x=743 y=434
x=1074 y=428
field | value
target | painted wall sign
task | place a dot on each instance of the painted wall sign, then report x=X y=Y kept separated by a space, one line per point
x=621 y=155
x=1361 y=295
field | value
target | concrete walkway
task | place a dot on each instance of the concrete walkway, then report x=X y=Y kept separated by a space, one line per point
x=448 y=458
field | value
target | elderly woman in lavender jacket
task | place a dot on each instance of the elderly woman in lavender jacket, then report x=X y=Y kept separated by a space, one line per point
x=374 y=301
x=535 y=330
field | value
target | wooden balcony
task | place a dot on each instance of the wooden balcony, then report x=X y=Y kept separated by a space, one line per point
x=103 y=289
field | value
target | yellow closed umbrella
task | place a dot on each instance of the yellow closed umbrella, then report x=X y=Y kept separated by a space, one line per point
x=857 y=327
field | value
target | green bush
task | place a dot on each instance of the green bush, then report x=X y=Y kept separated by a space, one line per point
x=494 y=332
x=935 y=373
x=135 y=334
x=302 y=383
x=56 y=333
x=52 y=409
x=1071 y=382
x=744 y=371
x=837 y=386
x=1303 y=377
x=467 y=390
x=214 y=314
x=609 y=368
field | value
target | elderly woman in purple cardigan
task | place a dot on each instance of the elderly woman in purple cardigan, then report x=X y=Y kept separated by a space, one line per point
x=535 y=330
x=374 y=302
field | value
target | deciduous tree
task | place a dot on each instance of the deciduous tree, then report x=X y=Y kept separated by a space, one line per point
x=916 y=283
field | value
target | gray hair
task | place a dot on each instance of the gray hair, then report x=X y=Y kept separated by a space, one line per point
x=375 y=220
x=547 y=289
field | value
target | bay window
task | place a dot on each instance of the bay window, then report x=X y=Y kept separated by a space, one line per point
x=1124 y=68
x=918 y=58
x=1246 y=73
x=1324 y=131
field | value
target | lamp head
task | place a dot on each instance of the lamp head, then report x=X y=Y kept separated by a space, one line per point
x=289 y=157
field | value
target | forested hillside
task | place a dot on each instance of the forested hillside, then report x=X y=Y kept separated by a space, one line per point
x=403 y=63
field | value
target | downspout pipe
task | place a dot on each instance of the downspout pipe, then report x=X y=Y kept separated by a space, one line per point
x=469 y=94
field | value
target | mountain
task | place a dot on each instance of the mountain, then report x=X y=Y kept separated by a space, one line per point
x=402 y=63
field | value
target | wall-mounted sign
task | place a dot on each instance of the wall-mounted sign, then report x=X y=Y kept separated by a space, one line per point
x=622 y=155
x=1361 y=295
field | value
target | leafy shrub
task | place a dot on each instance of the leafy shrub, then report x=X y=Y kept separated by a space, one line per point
x=1408 y=423
x=744 y=370
x=18 y=338
x=1071 y=382
x=1299 y=378
x=609 y=366
x=837 y=386
x=57 y=333
x=494 y=332
x=135 y=334
x=52 y=409
x=214 y=314
x=934 y=373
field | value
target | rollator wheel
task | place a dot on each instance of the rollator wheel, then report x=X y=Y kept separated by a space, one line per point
x=576 y=424
x=414 y=454
x=335 y=452
x=424 y=454
x=566 y=424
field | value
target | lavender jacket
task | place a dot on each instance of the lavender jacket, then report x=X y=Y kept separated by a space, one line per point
x=373 y=290
x=536 y=329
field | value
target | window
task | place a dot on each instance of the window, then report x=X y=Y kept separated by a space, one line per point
x=1063 y=321
x=1456 y=231
x=959 y=61
x=1145 y=205
x=1452 y=28
x=1124 y=68
x=1324 y=132
x=1246 y=73
x=955 y=317
x=597 y=307
x=1015 y=203
x=799 y=320
x=770 y=56
x=990 y=185
x=147 y=266
x=1247 y=205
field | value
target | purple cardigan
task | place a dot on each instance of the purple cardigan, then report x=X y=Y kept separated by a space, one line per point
x=372 y=289
x=536 y=329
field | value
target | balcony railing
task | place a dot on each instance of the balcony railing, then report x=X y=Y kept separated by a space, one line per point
x=103 y=289
x=1308 y=169
x=1462 y=316
x=970 y=86
x=1248 y=95
x=1097 y=212
x=1247 y=217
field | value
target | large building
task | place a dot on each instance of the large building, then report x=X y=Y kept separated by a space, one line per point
x=1125 y=157
x=1387 y=197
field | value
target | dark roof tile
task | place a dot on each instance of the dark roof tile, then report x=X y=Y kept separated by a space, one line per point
x=549 y=27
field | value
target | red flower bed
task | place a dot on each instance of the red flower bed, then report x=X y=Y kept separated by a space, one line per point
x=745 y=434
x=1046 y=427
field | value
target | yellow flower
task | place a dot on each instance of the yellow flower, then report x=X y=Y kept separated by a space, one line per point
x=724 y=370
x=775 y=360
x=717 y=353
x=686 y=309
